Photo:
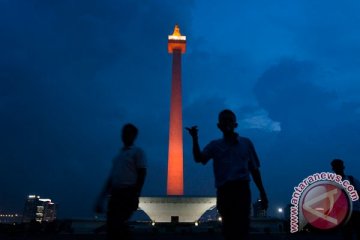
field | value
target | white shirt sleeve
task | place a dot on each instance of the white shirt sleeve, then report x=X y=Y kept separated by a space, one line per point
x=141 y=161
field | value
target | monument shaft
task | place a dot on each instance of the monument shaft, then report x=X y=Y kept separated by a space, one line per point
x=175 y=178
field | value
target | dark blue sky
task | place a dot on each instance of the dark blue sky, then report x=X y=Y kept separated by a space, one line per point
x=72 y=72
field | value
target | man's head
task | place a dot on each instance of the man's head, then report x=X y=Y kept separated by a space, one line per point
x=227 y=121
x=129 y=134
x=338 y=166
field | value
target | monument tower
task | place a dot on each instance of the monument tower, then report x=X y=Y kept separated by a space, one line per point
x=175 y=207
x=175 y=179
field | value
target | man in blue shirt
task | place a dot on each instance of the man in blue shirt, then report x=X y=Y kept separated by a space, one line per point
x=234 y=160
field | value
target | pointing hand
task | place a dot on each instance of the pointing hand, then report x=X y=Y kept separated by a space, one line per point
x=193 y=131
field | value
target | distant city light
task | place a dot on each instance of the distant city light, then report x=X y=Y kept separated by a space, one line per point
x=219 y=219
x=10 y=218
x=280 y=210
x=196 y=223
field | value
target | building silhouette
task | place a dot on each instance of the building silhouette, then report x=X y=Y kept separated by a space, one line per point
x=39 y=209
x=258 y=212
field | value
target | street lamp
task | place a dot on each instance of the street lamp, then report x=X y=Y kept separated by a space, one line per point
x=280 y=211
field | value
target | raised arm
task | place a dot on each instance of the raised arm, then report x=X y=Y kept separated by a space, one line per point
x=198 y=156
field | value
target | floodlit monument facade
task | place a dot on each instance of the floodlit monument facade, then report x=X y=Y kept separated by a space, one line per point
x=175 y=207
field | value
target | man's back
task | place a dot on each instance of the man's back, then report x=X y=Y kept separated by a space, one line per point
x=125 y=166
x=231 y=160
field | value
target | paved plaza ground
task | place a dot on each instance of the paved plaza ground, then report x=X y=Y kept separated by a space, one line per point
x=172 y=236
x=157 y=232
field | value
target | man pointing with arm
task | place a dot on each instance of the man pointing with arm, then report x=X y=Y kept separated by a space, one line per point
x=234 y=160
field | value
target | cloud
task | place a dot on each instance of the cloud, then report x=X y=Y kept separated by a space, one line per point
x=287 y=91
x=316 y=125
x=260 y=120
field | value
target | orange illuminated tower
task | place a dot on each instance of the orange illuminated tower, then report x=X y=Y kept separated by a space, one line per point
x=175 y=179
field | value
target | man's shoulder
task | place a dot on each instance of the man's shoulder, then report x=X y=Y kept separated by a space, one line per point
x=213 y=144
x=244 y=139
x=216 y=142
x=221 y=140
x=138 y=151
x=352 y=179
x=140 y=157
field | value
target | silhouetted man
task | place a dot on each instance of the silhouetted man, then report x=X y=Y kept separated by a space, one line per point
x=353 y=226
x=234 y=160
x=124 y=185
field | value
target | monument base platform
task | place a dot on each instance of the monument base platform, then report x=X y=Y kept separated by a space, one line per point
x=176 y=208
